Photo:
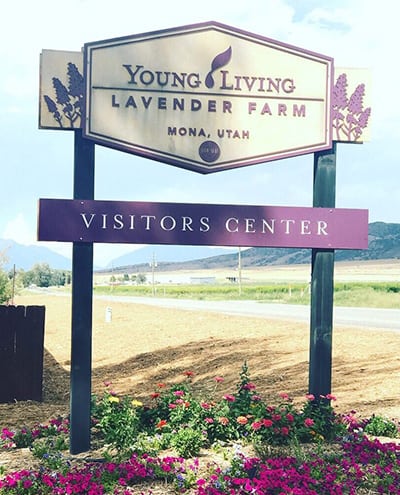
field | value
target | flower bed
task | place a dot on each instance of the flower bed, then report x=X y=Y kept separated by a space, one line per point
x=232 y=445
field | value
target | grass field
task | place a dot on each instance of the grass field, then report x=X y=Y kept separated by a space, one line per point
x=358 y=284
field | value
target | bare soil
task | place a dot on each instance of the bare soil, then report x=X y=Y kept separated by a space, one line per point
x=145 y=345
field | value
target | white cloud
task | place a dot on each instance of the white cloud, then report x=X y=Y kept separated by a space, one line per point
x=19 y=230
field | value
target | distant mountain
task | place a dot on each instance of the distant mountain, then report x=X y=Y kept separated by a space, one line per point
x=167 y=254
x=384 y=243
x=24 y=257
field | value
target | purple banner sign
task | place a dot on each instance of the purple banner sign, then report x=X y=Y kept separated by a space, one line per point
x=67 y=220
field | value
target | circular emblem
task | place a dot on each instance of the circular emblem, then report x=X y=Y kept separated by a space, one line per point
x=209 y=151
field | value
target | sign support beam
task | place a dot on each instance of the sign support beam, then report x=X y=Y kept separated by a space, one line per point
x=322 y=269
x=82 y=299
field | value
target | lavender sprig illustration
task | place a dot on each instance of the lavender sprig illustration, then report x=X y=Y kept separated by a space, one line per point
x=68 y=100
x=349 y=118
x=219 y=61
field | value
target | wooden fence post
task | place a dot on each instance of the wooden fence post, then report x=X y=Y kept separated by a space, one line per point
x=21 y=352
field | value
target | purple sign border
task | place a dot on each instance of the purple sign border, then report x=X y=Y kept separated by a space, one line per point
x=66 y=220
x=189 y=164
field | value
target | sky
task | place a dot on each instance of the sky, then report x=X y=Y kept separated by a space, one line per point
x=37 y=163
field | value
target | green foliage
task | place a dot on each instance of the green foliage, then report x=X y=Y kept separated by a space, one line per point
x=382 y=427
x=118 y=419
x=359 y=294
x=147 y=444
x=187 y=442
x=141 y=278
x=23 y=438
x=49 y=451
x=42 y=275
x=180 y=420
x=5 y=281
x=318 y=421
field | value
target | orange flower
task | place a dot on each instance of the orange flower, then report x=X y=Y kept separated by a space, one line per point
x=223 y=420
x=161 y=424
x=242 y=420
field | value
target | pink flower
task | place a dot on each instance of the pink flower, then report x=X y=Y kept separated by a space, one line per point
x=229 y=398
x=6 y=433
x=209 y=420
x=308 y=422
x=219 y=379
x=330 y=397
x=179 y=393
x=267 y=423
x=285 y=431
x=310 y=397
x=256 y=425
x=290 y=417
x=284 y=396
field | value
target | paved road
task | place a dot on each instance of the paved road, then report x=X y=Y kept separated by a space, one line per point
x=372 y=318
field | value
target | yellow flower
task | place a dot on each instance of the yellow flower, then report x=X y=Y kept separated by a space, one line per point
x=112 y=398
x=136 y=403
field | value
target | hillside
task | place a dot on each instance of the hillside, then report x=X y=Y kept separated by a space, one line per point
x=24 y=257
x=384 y=243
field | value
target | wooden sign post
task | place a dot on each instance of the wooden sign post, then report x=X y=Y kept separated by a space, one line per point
x=82 y=290
x=320 y=365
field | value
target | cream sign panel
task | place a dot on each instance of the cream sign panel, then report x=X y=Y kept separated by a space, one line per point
x=207 y=97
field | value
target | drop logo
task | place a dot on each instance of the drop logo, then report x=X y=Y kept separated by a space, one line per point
x=219 y=61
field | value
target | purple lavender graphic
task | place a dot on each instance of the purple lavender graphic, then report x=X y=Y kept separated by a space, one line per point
x=219 y=61
x=67 y=107
x=349 y=118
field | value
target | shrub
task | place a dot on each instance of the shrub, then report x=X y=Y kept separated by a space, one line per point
x=187 y=442
x=381 y=427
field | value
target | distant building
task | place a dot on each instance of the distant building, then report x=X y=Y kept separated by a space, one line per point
x=202 y=280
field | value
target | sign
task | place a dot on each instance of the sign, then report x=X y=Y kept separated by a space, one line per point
x=201 y=224
x=61 y=90
x=207 y=97
x=351 y=110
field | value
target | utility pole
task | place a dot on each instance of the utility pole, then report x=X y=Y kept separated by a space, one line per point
x=240 y=270
x=153 y=265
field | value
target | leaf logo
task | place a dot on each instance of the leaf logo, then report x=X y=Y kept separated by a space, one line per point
x=219 y=61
